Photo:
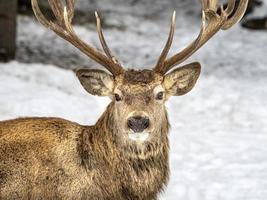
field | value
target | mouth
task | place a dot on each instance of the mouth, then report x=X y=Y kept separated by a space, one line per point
x=138 y=137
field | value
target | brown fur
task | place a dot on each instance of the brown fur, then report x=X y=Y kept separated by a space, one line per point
x=51 y=158
x=139 y=76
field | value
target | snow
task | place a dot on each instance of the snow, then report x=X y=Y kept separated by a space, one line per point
x=219 y=131
x=44 y=90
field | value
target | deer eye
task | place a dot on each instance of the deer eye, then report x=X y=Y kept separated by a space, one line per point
x=117 y=97
x=160 y=96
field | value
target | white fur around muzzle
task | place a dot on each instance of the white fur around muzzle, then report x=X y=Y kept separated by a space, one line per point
x=138 y=137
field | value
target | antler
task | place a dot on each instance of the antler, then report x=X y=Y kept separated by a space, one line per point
x=168 y=44
x=62 y=27
x=103 y=41
x=225 y=20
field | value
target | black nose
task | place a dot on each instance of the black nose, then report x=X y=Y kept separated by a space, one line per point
x=138 y=123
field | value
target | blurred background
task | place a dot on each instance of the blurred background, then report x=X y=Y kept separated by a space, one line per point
x=219 y=130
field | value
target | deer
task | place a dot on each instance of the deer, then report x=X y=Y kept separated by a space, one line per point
x=125 y=155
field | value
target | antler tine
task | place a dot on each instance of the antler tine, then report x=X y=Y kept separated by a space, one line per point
x=70 y=8
x=215 y=22
x=102 y=39
x=210 y=4
x=63 y=27
x=57 y=8
x=167 y=47
x=230 y=7
x=237 y=15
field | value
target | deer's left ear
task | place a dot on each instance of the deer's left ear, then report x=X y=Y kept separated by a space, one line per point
x=182 y=80
x=96 y=82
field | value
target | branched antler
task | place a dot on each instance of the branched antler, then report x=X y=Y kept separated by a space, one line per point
x=62 y=26
x=212 y=22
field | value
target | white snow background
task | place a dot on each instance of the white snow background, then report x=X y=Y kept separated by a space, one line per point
x=219 y=130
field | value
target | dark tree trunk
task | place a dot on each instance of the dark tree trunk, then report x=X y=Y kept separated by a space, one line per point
x=8 y=11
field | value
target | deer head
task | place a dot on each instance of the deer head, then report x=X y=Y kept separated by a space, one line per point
x=138 y=96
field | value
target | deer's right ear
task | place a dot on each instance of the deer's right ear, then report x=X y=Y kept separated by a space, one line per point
x=182 y=80
x=96 y=82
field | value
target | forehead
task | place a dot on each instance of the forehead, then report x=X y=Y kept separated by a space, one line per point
x=138 y=81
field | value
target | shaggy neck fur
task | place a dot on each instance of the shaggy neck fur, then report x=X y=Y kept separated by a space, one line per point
x=134 y=172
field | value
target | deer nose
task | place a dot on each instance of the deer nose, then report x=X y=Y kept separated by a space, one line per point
x=138 y=124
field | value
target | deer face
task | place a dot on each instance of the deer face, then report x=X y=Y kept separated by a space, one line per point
x=138 y=99
x=139 y=105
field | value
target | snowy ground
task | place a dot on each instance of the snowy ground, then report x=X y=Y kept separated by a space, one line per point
x=219 y=130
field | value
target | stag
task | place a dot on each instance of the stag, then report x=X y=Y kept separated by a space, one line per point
x=125 y=154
